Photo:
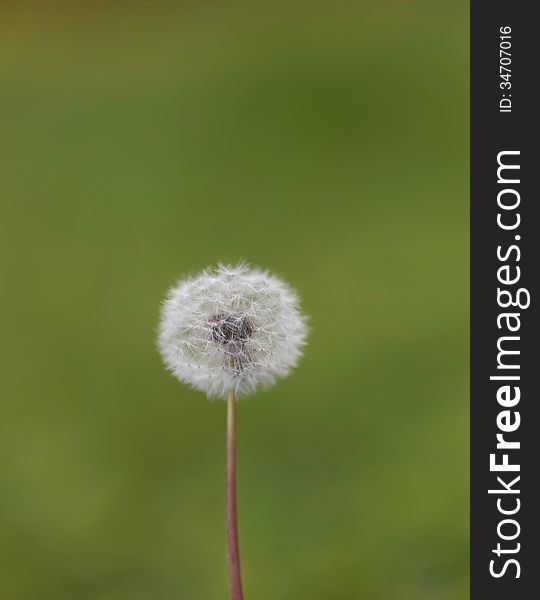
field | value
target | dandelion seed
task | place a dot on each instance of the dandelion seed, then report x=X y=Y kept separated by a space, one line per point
x=241 y=326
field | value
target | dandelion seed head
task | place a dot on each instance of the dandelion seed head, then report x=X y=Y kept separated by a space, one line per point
x=231 y=328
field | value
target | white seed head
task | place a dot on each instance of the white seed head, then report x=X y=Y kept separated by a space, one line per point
x=231 y=328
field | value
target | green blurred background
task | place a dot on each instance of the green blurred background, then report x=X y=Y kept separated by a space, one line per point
x=143 y=141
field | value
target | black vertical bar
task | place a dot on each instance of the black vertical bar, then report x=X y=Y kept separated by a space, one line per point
x=504 y=119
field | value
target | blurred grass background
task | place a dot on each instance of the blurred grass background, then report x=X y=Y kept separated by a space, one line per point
x=325 y=141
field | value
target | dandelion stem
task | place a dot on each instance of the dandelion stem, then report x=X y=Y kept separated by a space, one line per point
x=235 y=581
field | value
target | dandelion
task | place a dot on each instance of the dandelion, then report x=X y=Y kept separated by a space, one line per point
x=227 y=332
